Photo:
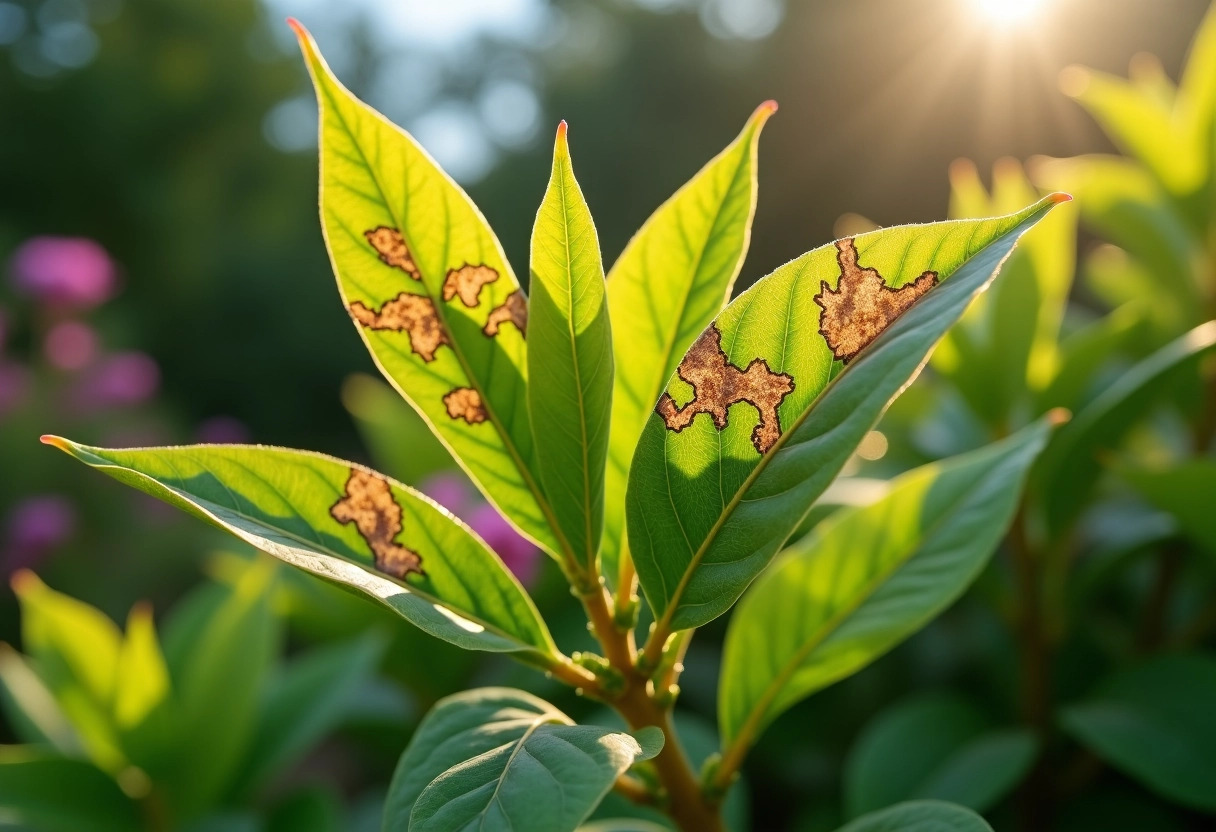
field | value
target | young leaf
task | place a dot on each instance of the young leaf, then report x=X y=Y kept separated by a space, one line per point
x=1070 y=466
x=920 y=816
x=1154 y=723
x=934 y=747
x=142 y=679
x=865 y=580
x=750 y=431
x=431 y=294
x=570 y=360
x=39 y=790
x=30 y=707
x=1186 y=490
x=501 y=759
x=671 y=280
x=346 y=524
x=1083 y=354
x=74 y=648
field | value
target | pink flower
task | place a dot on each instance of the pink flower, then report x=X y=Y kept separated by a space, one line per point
x=454 y=493
x=70 y=345
x=125 y=378
x=68 y=271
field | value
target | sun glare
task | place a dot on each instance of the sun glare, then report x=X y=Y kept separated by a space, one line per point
x=1007 y=11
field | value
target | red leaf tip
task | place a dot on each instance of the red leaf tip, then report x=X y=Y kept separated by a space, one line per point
x=22 y=581
x=562 y=127
x=54 y=441
x=769 y=106
x=1058 y=416
x=1059 y=197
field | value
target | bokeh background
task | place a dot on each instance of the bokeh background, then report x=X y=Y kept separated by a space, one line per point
x=163 y=277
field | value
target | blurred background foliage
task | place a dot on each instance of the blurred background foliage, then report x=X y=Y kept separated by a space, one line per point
x=164 y=280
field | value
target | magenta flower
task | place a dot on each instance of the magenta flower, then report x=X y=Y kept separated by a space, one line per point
x=34 y=527
x=70 y=345
x=67 y=271
x=125 y=378
x=454 y=493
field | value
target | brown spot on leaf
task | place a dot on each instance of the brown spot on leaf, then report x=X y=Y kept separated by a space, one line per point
x=717 y=384
x=465 y=403
x=466 y=282
x=368 y=502
x=393 y=251
x=862 y=305
x=513 y=310
x=406 y=313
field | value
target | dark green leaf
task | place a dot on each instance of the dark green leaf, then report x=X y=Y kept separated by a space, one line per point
x=1154 y=723
x=1187 y=490
x=920 y=816
x=501 y=759
x=54 y=794
x=866 y=579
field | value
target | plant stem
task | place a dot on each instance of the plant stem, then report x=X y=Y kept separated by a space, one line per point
x=618 y=646
x=1156 y=610
x=634 y=790
x=1034 y=659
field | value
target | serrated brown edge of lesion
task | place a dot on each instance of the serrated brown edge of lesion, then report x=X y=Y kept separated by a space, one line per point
x=411 y=267
x=452 y=289
x=512 y=310
x=358 y=309
x=473 y=412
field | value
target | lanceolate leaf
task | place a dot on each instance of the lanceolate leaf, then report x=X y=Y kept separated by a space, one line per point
x=920 y=816
x=866 y=579
x=1070 y=466
x=346 y=524
x=750 y=431
x=1154 y=722
x=674 y=276
x=501 y=759
x=43 y=791
x=570 y=363
x=431 y=293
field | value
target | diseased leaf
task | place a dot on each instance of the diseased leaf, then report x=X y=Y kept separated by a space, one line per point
x=431 y=294
x=938 y=747
x=1154 y=723
x=501 y=759
x=40 y=790
x=920 y=816
x=750 y=431
x=671 y=280
x=1070 y=465
x=1186 y=490
x=866 y=579
x=570 y=362
x=346 y=524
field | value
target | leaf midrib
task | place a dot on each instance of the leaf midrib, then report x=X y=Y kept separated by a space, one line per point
x=320 y=549
x=508 y=442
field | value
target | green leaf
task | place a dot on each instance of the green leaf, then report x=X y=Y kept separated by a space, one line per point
x=49 y=793
x=712 y=499
x=1154 y=723
x=431 y=294
x=866 y=579
x=142 y=677
x=920 y=816
x=1070 y=465
x=74 y=649
x=1186 y=491
x=1006 y=344
x=338 y=521
x=501 y=759
x=400 y=441
x=31 y=709
x=936 y=746
x=675 y=275
x=1084 y=353
x=306 y=701
x=570 y=362
x=217 y=692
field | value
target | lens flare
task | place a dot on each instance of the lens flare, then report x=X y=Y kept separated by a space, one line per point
x=1007 y=11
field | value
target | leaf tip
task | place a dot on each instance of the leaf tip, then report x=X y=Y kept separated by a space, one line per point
x=54 y=441
x=24 y=581
x=1058 y=416
x=562 y=127
x=1060 y=197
